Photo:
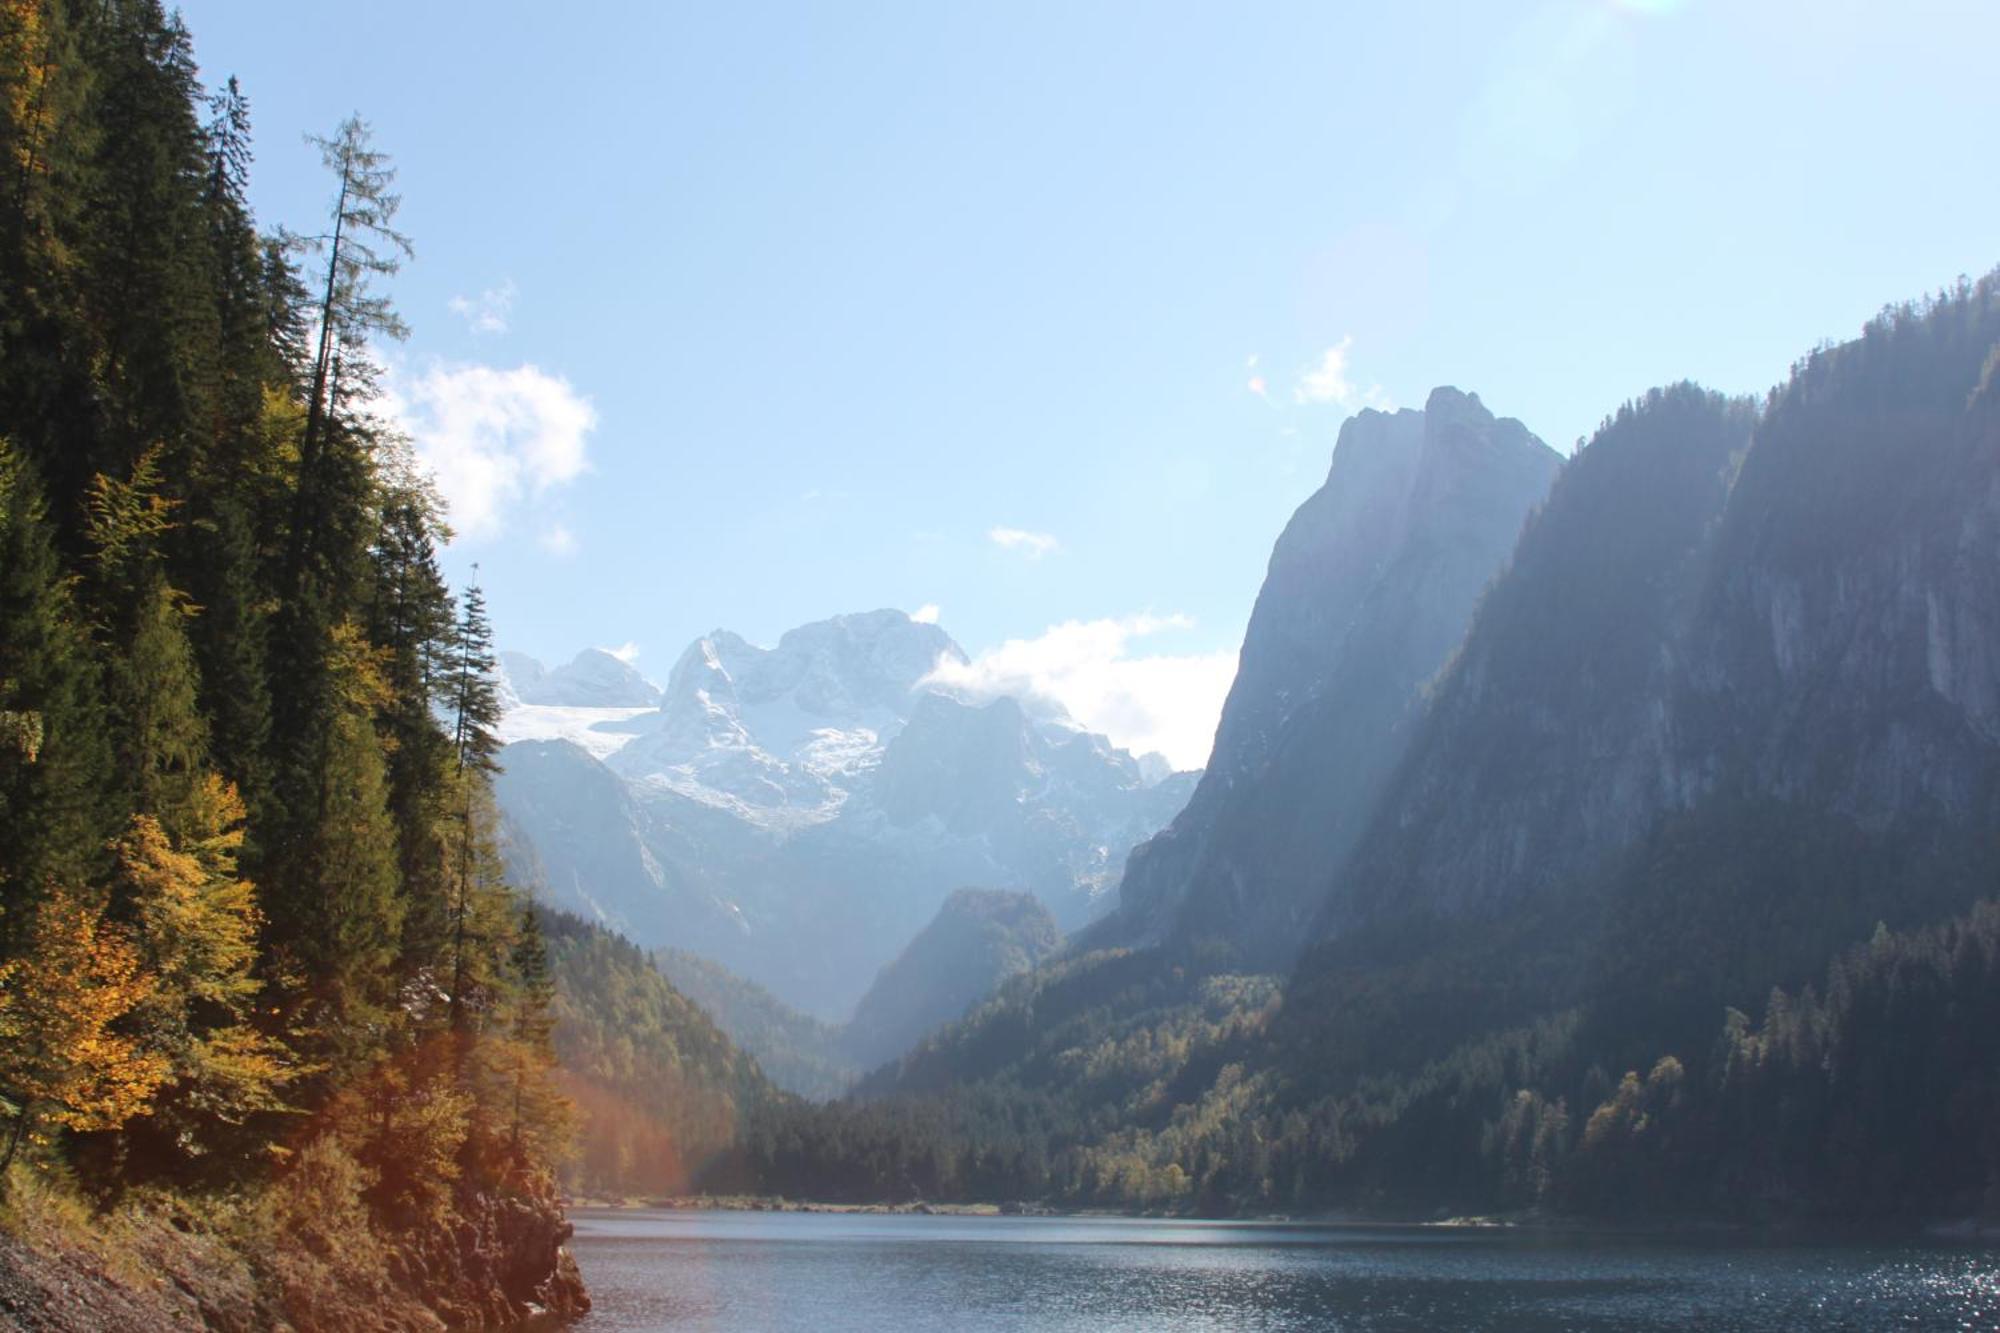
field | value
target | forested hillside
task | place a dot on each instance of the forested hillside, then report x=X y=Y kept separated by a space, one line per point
x=1679 y=903
x=256 y=954
x=664 y=1094
x=796 y=1051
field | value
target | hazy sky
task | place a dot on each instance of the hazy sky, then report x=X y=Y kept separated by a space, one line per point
x=1045 y=316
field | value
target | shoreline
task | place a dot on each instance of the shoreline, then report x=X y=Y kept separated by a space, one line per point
x=1961 y=1231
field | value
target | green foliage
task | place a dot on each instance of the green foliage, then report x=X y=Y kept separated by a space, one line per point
x=55 y=812
x=253 y=936
x=475 y=698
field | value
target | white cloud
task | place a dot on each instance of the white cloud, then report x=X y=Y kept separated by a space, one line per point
x=494 y=439
x=627 y=652
x=557 y=540
x=1327 y=382
x=1330 y=381
x=487 y=312
x=1166 y=702
x=927 y=614
x=1034 y=545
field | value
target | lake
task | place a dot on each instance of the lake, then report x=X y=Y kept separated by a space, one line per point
x=652 y=1270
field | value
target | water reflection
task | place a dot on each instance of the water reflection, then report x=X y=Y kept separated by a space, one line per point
x=793 y=1271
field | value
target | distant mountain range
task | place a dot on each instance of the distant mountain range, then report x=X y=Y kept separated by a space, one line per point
x=798 y=813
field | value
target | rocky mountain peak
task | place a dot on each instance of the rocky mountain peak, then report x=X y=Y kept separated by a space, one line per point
x=1369 y=589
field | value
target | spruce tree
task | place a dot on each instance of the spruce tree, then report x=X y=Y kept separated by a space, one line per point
x=475 y=695
x=56 y=763
x=475 y=713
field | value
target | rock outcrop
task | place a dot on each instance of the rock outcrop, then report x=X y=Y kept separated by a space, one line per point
x=1370 y=588
x=1722 y=611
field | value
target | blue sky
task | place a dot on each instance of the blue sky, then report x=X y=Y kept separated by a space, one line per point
x=740 y=315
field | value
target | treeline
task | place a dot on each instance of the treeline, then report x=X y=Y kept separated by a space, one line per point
x=252 y=924
x=1867 y=1098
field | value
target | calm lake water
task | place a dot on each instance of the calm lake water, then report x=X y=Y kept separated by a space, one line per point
x=820 y=1272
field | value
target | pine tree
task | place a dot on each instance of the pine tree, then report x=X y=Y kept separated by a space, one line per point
x=521 y=1061
x=48 y=394
x=338 y=925
x=160 y=735
x=147 y=278
x=224 y=545
x=535 y=987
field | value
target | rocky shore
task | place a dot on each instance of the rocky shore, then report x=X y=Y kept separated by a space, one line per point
x=497 y=1263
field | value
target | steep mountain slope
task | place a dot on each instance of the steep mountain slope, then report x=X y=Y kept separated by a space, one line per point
x=799 y=813
x=599 y=849
x=979 y=938
x=1825 y=640
x=1370 y=587
x=1549 y=740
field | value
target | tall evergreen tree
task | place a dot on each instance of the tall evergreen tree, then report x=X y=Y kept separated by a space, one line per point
x=475 y=713
x=55 y=763
x=362 y=246
x=410 y=616
x=475 y=699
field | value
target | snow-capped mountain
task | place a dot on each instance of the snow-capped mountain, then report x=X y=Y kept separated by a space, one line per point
x=780 y=735
x=799 y=812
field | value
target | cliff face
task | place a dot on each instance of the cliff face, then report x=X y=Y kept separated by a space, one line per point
x=1548 y=739
x=1369 y=589
x=1797 y=612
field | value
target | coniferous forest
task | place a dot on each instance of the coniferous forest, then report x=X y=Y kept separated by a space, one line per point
x=261 y=972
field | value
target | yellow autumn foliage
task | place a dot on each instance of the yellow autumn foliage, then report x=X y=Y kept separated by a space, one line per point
x=63 y=1062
